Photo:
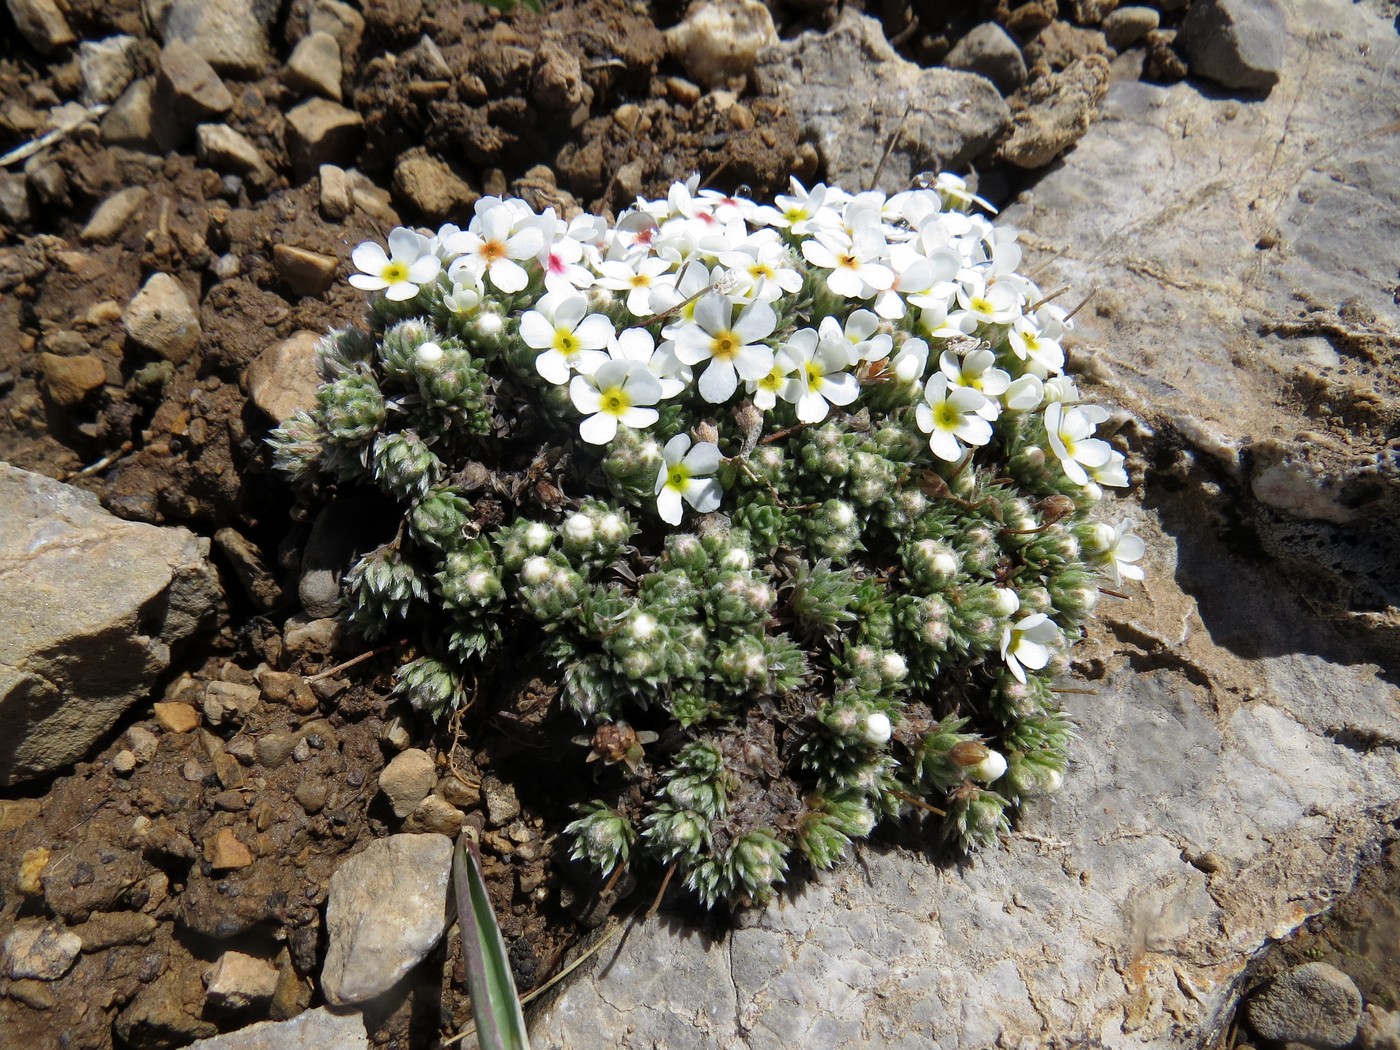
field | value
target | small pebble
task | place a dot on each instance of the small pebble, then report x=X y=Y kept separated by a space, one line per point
x=123 y=762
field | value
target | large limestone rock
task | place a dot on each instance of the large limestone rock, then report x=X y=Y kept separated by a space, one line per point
x=93 y=606
x=1238 y=752
x=856 y=99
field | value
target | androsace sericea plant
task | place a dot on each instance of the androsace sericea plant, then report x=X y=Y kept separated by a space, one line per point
x=795 y=497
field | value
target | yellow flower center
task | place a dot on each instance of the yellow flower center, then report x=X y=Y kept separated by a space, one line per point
x=394 y=272
x=677 y=476
x=725 y=345
x=614 y=401
x=814 y=375
x=565 y=342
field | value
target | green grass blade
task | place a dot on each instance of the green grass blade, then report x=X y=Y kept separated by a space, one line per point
x=500 y=1023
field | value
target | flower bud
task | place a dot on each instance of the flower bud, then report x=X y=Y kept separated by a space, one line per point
x=877 y=728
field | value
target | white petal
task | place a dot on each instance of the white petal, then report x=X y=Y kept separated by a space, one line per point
x=553 y=367
x=424 y=269
x=945 y=446
x=753 y=362
x=712 y=313
x=400 y=291
x=704 y=458
x=668 y=505
x=639 y=418
x=718 y=382
x=812 y=407
x=537 y=333
x=705 y=495
x=594 y=332
x=757 y=322
x=584 y=395
x=365 y=282
x=405 y=245
x=370 y=258
x=598 y=429
x=841 y=389
x=507 y=276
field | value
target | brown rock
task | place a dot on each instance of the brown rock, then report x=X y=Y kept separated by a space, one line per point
x=407 y=780
x=1053 y=112
x=71 y=379
x=220 y=147
x=225 y=852
x=107 y=929
x=435 y=815
x=314 y=66
x=237 y=981
x=113 y=214
x=341 y=21
x=306 y=272
x=432 y=187
x=322 y=132
x=41 y=22
x=283 y=687
x=161 y=319
x=188 y=91
x=128 y=122
x=337 y=193
x=177 y=718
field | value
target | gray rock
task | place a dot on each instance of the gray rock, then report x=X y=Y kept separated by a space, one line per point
x=1054 y=112
x=42 y=24
x=502 y=803
x=238 y=981
x=317 y=1029
x=342 y=532
x=128 y=122
x=341 y=21
x=284 y=377
x=95 y=606
x=1236 y=43
x=435 y=815
x=160 y=318
x=1129 y=25
x=231 y=35
x=222 y=148
x=113 y=214
x=314 y=66
x=849 y=92
x=321 y=132
x=188 y=92
x=1313 y=1003
x=387 y=908
x=337 y=193
x=142 y=742
x=247 y=563
x=989 y=51
x=14 y=199
x=107 y=67
x=42 y=952
x=407 y=779
x=1379 y=1029
x=1094 y=924
x=230 y=702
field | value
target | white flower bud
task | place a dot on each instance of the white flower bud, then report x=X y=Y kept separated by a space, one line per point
x=736 y=559
x=428 y=355
x=490 y=325
x=878 y=728
x=535 y=570
x=578 y=529
x=944 y=563
x=642 y=627
x=611 y=529
x=1051 y=781
x=1006 y=601
x=479 y=583
x=538 y=536
x=842 y=515
x=893 y=668
x=989 y=769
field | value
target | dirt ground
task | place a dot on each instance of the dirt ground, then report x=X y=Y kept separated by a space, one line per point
x=580 y=108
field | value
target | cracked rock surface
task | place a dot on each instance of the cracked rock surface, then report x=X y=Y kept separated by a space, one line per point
x=1238 y=750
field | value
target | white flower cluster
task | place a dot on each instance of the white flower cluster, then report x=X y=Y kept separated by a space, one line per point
x=708 y=298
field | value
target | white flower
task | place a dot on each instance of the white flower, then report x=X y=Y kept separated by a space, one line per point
x=411 y=262
x=1006 y=601
x=877 y=729
x=976 y=370
x=1026 y=644
x=1045 y=355
x=570 y=340
x=1070 y=430
x=762 y=268
x=1024 y=394
x=862 y=332
x=637 y=277
x=1113 y=473
x=989 y=769
x=637 y=345
x=465 y=295
x=796 y=211
x=535 y=570
x=618 y=392
x=780 y=381
x=731 y=345
x=856 y=261
x=1123 y=550
x=683 y=476
x=491 y=249
x=819 y=370
x=951 y=416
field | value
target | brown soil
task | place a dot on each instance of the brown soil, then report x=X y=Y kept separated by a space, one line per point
x=578 y=108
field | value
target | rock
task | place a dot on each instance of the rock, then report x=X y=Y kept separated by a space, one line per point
x=1033 y=16
x=387 y=908
x=161 y=319
x=167 y=1011
x=107 y=67
x=849 y=90
x=1060 y=44
x=123 y=762
x=96 y=605
x=238 y=981
x=1162 y=207
x=1091 y=12
x=317 y=1029
x=989 y=51
x=225 y=852
x=47 y=181
x=246 y=560
x=275 y=748
x=1164 y=62
x=176 y=717
x=40 y=952
x=1127 y=26
x=90 y=877
x=432 y=187
x=719 y=40
x=306 y=272
x=342 y=531
x=283 y=687
x=557 y=83
x=231 y=35
x=337 y=193
x=14 y=199
x=321 y=132
x=188 y=92
x=42 y=24
x=31 y=868
x=1054 y=112
x=1379 y=1029
x=407 y=779
x=314 y=67
x=128 y=122
x=435 y=815
x=220 y=147
x=502 y=803
x=113 y=214
x=1236 y=43
x=69 y=380
x=108 y=929
x=229 y=702
x=284 y=377
x=1314 y=1003
x=341 y=21
x=142 y=742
